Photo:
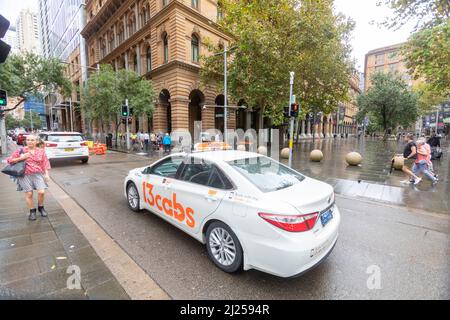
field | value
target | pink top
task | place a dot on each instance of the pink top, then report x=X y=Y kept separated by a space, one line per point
x=36 y=163
x=424 y=149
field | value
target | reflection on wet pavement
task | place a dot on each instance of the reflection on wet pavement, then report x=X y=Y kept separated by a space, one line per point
x=372 y=179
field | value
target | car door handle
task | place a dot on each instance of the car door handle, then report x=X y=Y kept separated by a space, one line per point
x=210 y=198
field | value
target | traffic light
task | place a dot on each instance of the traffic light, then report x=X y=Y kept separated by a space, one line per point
x=3 y=98
x=4 y=47
x=131 y=111
x=124 y=111
x=286 y=112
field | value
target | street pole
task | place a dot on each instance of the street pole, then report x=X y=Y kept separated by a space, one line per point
x=314 y=127
x=3 y=136
x=291 y=119
x=437 y=120
x=225 y=100
x=31 y=120
x=71 y=115
x=128 y=129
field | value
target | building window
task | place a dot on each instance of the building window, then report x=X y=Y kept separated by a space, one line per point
x=379 y=69
x=165 y=2
x=135 y=62
x=194 y=4
x=195 y=48
x=149 y=59
x=379 y=58
x=166 y=48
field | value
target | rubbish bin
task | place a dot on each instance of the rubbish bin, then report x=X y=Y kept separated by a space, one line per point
x=109 y=140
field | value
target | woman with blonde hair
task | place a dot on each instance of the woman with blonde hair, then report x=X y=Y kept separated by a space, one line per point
x=36 y=174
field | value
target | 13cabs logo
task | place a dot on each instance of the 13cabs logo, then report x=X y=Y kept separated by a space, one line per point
x=170 y=207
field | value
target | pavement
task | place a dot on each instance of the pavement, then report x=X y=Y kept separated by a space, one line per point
x=37 y=258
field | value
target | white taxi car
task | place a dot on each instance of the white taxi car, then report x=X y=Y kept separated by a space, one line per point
x=251 y=211
x=65 y=145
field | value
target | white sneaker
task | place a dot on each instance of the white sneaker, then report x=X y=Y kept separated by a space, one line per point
x=405 y=182
x=417 y=181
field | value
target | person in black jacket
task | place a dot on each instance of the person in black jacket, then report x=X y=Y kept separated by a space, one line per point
x=434 y=141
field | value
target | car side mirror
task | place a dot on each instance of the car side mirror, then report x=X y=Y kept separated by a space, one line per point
x=147 y=170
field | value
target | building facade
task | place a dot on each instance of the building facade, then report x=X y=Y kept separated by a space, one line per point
x=11 y=39
x=27 y=30
x=161 y=40
x=61 y=22
x=386 y=59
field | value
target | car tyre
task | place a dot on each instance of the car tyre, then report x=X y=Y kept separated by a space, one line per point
x=224 y=248
x=84 y=160
x=133 y=198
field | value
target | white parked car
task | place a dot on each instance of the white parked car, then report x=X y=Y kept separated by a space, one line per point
x=65 y=145
x=251 y=211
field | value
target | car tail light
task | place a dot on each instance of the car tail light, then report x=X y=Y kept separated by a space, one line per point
x=83 y=144
x=48 y=144
x=298 y=223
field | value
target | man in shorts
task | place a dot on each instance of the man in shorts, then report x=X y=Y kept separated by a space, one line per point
x=409 y=155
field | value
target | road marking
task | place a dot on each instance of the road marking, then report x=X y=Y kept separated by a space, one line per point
x=135 y=281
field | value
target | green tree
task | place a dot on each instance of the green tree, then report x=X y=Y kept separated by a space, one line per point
x=389 y=102
x=11 y=122
x=426 y=13
x=105 y=93
x=429 y=98
x=31 y=118
x=30 y=75
x=272 y=38
x=427 y=53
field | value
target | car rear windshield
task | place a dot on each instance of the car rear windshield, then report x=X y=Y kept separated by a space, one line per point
x=64 y=138
x=266 y=174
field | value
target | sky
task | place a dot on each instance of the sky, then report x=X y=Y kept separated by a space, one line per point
x=366 y=36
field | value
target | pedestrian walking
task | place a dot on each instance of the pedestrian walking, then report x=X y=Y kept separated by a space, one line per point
x=146 y=138
x=36 y=174
x=167 y=141
x=409 y=155
x=154 y=141
x=423 y=161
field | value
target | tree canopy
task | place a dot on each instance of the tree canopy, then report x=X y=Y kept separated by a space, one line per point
x=427 y=13
x=274 y=37
x=427 y=51
x=106 y=90
x=30 y=75
x=389 y=102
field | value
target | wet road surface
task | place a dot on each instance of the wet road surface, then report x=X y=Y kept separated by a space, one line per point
x=410 y=248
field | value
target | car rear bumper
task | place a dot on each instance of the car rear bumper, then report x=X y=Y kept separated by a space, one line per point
x=77 y=155
x=288 y=256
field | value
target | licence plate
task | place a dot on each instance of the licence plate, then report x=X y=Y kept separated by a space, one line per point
x=326 y=217
x=69 y=149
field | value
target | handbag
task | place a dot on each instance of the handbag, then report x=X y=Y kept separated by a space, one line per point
x=17 y=169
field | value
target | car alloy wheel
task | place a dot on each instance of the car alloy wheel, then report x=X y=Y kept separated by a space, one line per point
x=223 y=247
x=133 y=197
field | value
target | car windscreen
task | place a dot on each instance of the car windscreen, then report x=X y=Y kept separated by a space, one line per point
x=64 y=138
x=266 y=174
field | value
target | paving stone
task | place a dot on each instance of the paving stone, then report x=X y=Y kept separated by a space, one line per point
x=110 y=290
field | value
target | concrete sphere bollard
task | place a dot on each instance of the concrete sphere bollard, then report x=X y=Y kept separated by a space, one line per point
x=262 y=150
x=353 y=158
x=398 y=163
x=316 y=156
x=241 y=147
x=285 y=153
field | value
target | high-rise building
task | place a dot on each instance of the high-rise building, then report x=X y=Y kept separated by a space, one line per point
x=27 y=29
x=11 y=38
x=61 y=22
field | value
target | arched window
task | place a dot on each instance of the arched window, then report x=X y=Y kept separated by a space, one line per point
x=194 y=4
x=166 y=48
x=144 y=16
x=149 y=59
x=135 y=62
x=219 y=10
x=195 y=48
